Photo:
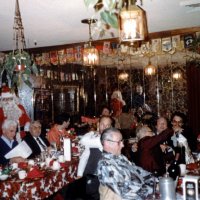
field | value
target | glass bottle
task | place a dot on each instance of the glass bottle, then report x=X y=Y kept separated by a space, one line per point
x=173 y=169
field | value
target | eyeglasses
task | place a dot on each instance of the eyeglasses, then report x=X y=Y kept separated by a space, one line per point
x=118 y=142
x=177 y=122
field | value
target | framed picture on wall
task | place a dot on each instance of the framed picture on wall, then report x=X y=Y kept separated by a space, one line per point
x=156 y=45
x=166 y=44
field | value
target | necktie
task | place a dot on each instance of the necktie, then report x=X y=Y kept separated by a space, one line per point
x=41 y=144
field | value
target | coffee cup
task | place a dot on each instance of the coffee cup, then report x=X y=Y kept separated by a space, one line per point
x=47 y=161
x=56 y=165
x=31 y=162
x=14 y=165
x=22 y=174
x=61 y=158
x=182 y=169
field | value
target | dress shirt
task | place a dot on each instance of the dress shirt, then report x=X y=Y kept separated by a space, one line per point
x=7 y=141
x=89 y=140
x=41 y=144
x=179 y=140
x=123 y=177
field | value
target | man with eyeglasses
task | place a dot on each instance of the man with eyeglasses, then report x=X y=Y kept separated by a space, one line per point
x=182 y=138
x=117 y=173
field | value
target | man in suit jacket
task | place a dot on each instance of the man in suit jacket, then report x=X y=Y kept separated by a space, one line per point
x=150 y=156
x=35 y=140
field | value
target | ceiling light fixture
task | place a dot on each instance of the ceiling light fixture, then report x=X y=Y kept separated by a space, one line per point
x=90 y=53
x=177 y=74
x=150 y=69
x=133 y=24
x=123 y=76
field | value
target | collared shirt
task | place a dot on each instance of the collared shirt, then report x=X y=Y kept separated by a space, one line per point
x=41 y=147
x=7 y=141
x=124 y=178
x=89 y=140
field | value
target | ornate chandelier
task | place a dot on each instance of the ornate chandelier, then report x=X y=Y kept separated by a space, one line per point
x=133 y=25
x=90 y=53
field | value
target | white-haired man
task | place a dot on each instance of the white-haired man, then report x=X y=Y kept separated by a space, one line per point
x=7 y=141
x=11 y=109
x=117 y=173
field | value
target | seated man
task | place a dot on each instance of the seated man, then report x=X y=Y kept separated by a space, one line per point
x=86 y=187
x=7 y=142
x=35 y=140
x=150 y=156
x=92 y=140
x=117 y=173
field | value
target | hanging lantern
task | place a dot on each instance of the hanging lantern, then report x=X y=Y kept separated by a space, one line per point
x=90 y=53
x=150 y=69
x=20 y=67
x=123 y=76
x=177 y=74
x=133 y=25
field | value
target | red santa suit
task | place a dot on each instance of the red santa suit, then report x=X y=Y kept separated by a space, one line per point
x=11 y=109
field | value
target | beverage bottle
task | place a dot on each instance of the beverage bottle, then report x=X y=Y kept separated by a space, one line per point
x=173 y=169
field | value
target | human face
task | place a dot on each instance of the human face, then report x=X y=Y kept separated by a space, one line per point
x=104 y=123
x=105 y=112
x=116 y=144
x=177 y=123
x=10 y=132
x=7 y=101
x=161 y=125
x=35 y=129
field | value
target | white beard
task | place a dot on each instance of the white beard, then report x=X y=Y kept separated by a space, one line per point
x=11 y=110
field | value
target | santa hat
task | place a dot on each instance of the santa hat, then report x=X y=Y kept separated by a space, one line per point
x=6 y=92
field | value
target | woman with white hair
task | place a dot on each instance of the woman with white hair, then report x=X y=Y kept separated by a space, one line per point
x=150 y=156
x=117 y=103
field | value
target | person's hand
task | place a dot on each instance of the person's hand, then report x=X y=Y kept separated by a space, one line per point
x=17 y=160
x=163 y=147
x=134 y=147
x=177 y=129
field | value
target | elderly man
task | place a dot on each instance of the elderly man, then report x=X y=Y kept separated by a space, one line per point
x=91 y=142
x=150 y=156
x=167 y=150
x=116 y=172
x=10 y=108
x=7 y=142
x=86 y=187
x=35 y=140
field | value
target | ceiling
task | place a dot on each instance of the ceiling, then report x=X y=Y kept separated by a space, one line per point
x=56 y=22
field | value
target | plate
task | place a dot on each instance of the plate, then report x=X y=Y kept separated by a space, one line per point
x=3 y=177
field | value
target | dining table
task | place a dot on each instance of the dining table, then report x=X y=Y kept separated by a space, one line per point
x=39 y=187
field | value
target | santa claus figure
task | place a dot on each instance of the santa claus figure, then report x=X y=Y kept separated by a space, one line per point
x=10 y=108
x=117 y=103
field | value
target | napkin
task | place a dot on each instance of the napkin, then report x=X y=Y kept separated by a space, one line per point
x=35 y=173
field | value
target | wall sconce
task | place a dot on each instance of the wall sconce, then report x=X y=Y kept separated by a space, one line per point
x=177 y=74
x=90 y=53
x=150 y=69
x=123 y=76
x=133 y=23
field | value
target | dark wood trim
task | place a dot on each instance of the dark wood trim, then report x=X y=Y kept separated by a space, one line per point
x=161 y=34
